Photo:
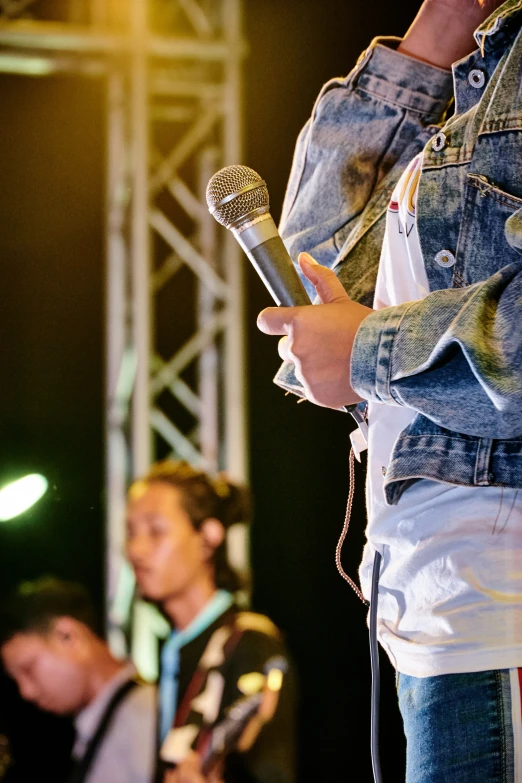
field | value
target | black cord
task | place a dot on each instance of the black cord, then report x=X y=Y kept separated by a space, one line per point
x=374 y=660
x=374 y=645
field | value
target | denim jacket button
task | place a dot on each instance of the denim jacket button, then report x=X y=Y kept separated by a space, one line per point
x=476 y=78
x=439 y=142
x=445 y=258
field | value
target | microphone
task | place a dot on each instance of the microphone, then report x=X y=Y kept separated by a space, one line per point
x=238 y=199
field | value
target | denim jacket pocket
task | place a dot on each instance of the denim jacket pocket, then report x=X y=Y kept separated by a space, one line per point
x=424 y=450
x=484 y=244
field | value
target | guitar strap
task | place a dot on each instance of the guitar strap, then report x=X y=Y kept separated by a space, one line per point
x=83 y=765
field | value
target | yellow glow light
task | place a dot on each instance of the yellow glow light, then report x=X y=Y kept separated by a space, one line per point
x=251 y=683
x=20 y=495
x=274 y=680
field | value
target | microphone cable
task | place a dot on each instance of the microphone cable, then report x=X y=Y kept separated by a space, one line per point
x=374 y=661
x=374 y=644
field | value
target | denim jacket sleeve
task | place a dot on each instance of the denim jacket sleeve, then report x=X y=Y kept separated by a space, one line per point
x=458 y=350
x=360 y=127
x=364 y=130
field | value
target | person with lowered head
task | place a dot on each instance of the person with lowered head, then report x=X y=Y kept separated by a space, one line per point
x=50 y=645
x=406 y=220
x=216 y=655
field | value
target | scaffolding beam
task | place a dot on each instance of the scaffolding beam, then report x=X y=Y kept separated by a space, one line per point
x=175 y=365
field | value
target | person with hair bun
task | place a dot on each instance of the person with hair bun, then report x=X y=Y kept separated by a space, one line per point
x=216 y=655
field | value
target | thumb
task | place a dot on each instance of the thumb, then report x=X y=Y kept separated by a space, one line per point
x=329 y=288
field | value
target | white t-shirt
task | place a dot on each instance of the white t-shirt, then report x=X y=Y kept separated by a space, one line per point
x=450 y=589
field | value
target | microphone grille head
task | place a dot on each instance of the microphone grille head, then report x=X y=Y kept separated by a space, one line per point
x=234 y=192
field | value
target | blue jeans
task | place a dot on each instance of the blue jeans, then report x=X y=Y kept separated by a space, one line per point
x=459 y=727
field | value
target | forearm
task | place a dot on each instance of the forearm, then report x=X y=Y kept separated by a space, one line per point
x=442 y=31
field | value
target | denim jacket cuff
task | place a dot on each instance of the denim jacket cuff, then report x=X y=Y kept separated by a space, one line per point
x=402 y=80
x=371 y=363
x=285 y=379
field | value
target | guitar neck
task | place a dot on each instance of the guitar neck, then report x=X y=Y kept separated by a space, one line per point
x=226 y=733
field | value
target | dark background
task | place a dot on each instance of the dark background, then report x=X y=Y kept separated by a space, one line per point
x=51 y=383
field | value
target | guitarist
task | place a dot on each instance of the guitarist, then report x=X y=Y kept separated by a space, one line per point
x=177 y=519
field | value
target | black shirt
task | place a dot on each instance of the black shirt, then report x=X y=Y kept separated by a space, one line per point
x=271 y=759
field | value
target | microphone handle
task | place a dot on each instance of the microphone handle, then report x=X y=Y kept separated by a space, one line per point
x=274 y=266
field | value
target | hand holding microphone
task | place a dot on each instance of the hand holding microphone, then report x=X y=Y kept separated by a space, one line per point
x=318 y=340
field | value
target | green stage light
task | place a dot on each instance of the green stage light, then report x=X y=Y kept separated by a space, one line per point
x=20 y=495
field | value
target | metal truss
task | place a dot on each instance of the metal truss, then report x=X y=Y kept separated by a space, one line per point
x=175 y=376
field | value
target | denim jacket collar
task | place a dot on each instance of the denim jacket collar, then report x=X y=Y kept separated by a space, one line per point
x=492 y=32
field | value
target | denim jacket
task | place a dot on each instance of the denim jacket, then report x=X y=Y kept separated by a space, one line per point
x=456 y=356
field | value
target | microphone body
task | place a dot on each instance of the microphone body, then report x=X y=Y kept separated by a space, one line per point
x=260 y=240
x=237 y=197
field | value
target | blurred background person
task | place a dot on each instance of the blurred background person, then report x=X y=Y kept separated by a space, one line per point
x=50 y=645
x=177 y=519
x=31 y=739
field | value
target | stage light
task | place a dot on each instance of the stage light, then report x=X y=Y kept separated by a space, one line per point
x=20 y=495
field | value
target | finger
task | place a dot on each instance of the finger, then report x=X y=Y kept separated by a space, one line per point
x=276 y=320
x=283 y=349
x=327 y=285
